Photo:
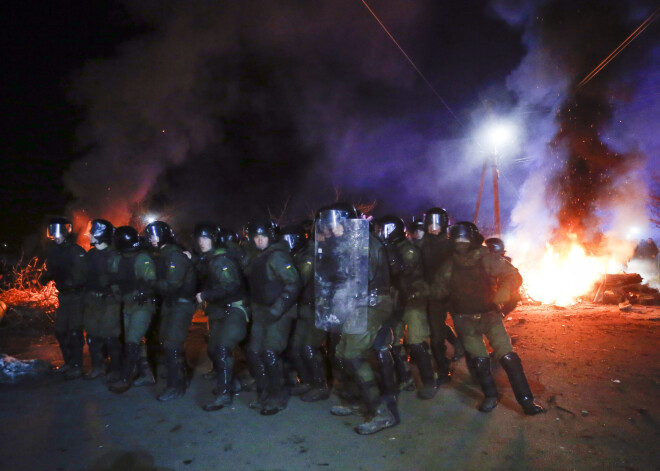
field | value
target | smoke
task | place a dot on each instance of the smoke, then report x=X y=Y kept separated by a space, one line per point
x=225 y=110
x=585 y=182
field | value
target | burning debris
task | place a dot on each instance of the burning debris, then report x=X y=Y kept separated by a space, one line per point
x=23 y=290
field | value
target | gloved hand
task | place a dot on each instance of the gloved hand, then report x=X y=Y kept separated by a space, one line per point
x=501 y=296
x=384 y=337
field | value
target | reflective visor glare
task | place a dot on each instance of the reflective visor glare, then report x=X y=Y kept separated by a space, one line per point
x=290 y=240
x=388 y=229
x=434 y=220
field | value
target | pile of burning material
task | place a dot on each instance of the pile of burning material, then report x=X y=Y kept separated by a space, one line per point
x=625 y=287
x=25 y=291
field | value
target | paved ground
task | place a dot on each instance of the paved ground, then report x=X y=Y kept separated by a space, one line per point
x=595 y=367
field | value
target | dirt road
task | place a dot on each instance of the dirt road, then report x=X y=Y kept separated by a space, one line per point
x=597 y=368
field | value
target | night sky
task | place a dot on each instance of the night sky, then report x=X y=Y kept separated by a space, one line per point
x=216 y=110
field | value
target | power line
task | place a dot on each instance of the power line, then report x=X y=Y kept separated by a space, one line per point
x=640 y=29
x=435 y=92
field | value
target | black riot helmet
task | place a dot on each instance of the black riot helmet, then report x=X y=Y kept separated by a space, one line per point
x=59 y=227
x=102 y=230
x=208 y=230
x=295 y=237
x=264 y=227
x=226 y=234
x=334 y=215
x=392 y=229
x=436 y=217
x=159 y=229
x=495 y=245
x=127 y=239
x=417 y=225
x=465 y=232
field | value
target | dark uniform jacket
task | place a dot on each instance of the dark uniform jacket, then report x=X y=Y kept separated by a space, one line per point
x=221 y=279
x=98 y=269
x=435 y=250
x=176 y=278
x=476 y=282
x=65 y=265
x=273 y=279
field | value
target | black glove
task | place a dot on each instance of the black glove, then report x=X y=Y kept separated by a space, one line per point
x=384 y=337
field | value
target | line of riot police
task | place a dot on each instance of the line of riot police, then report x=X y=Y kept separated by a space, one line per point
x=348 y=301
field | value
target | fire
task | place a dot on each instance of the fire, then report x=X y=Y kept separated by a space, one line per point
x=566 y=272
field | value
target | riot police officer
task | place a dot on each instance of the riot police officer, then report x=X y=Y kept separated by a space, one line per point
x=222 y=294
x=274 y=287
x=476 y=282
x=65 y=265
x=133 y=278
x=102 y=310
x=354 y=348
x=175 y=285
x=406 y=269
x=435 y=250
x=307 y=339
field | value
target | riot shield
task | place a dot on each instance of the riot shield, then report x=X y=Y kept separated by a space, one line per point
x=341 y=275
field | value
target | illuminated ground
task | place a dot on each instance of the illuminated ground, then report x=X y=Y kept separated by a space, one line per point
x=597 y=368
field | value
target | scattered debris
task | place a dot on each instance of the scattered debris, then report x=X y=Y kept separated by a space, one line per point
x=13 y=370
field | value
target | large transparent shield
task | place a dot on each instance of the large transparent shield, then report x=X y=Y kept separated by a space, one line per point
x=341 y=275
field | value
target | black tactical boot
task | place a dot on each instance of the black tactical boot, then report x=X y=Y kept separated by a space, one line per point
x=95 y=346
x=65 y=348
x=514 y=370
x=258 y=372
x=76 y=343
x=386 y=370
x=225 y=368
x=422 y=358
x=304 y=380
x=487 y=383
x=131 y=352
x=439 y=350
x=145 y=377
x=380 y=414
x=114 y=352
x=319 y=384
x=176 y=381
x=459 y=349
x=277 y=396
x=402 y=367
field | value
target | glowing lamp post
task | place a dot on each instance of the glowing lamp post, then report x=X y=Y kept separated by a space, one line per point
x=496 y=136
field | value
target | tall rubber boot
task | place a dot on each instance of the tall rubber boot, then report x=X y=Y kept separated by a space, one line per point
x=176 y=385
x=402 y=367
x=95 y=346
x=459 y=349
x=439 y=350
x=422 y=358
x=65 y=349
x=131 y=352
x=514 y=370
x=77 y=344
x=225 y=372
x=145 y=377
x=213 y=372
x=258 y=372
x=469 y=361
x=487 y=383
x=304 y=377
x=113 y=346
x=277 y=396
x=386 y=370
x=319 y=383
